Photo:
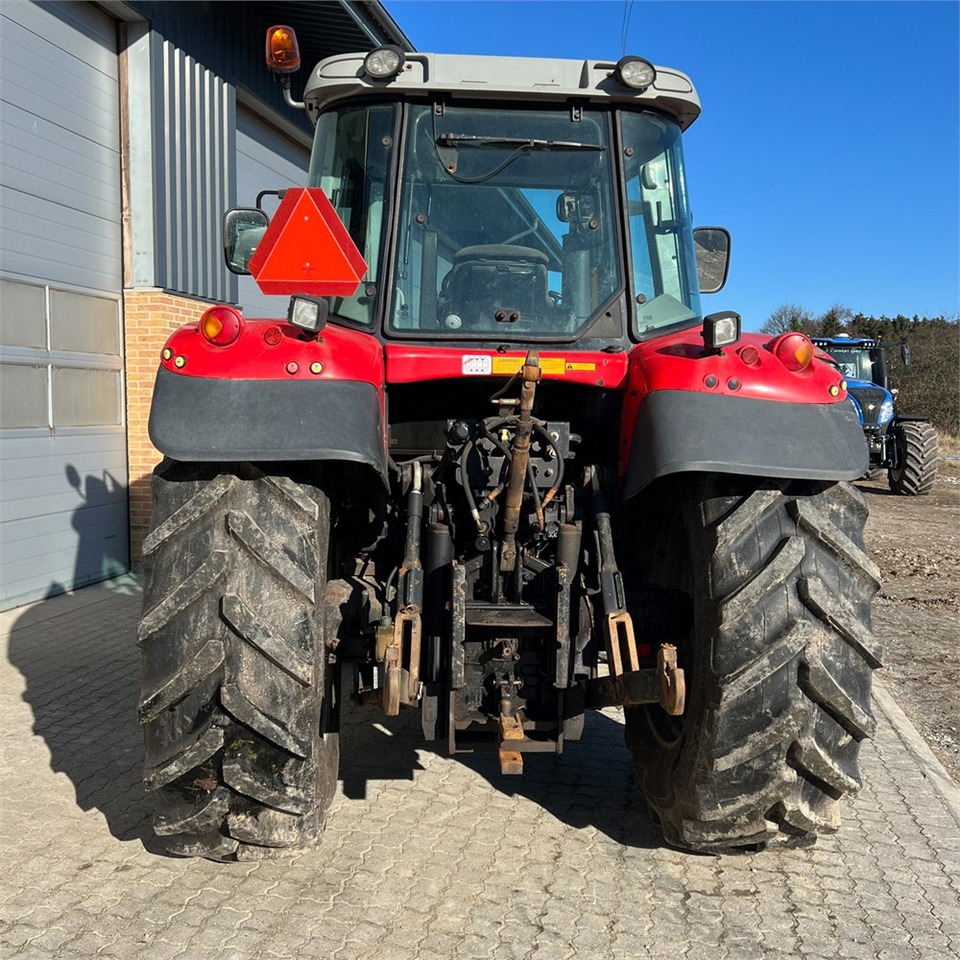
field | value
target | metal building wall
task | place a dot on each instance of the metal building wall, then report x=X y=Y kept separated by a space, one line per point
x=194 y=172
x=63 y=469
x=266 y=160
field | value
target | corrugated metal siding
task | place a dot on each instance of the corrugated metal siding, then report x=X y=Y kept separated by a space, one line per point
x=266 y=160
x=63 y=502
x=228 y=38
x=194 y=115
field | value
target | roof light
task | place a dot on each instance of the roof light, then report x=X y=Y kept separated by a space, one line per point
x=794 y=351
x=283 y=52
x=308 y=313
x=635 y=72
x=221 y=325
x=384 y=62
x=720 y=330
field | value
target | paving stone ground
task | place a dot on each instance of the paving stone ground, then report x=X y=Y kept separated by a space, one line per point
x=427 y=856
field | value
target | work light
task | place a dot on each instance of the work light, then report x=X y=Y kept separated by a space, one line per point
x=720 y=330
x=635 y=72
x=384 y=62
x=308 y=313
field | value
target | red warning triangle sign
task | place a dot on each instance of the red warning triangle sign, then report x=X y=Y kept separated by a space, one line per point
x=306 y=249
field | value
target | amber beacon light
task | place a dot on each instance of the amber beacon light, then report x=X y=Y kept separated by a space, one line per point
x=283 y=52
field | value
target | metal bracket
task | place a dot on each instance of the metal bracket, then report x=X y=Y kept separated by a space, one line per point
x=621 y=642
x=511 y=731
x=673 y=687
x=664 y=684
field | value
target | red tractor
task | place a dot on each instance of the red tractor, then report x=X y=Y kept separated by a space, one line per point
x=506 y=474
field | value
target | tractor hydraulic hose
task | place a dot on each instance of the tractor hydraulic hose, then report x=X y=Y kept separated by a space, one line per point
x=465 y=483
x=505 y=450
x=518 y=462
x=488 y=434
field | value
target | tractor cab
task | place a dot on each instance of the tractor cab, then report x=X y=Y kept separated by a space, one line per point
x=554 y=210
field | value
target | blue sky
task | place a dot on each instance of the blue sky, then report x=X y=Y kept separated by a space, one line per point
x=828 y=143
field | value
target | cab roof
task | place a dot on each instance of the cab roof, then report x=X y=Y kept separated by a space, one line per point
x=501 y=78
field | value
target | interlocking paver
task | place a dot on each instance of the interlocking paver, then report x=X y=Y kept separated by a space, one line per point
x=424 y=856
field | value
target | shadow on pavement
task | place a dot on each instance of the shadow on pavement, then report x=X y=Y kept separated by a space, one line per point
x=78 y=655
x=590 y=784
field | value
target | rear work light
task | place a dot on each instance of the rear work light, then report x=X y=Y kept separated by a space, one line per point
x=720 y=330
x=221 y=325
x=283 y=51
x=384 y=62
x=308 y=313
x=794 y=351
x=635 y=72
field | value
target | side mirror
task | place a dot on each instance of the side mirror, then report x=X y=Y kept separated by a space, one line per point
x=712 y=246
x=243 y=229
x=905 y=354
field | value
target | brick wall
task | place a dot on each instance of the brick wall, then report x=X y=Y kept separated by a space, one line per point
x=150 y=316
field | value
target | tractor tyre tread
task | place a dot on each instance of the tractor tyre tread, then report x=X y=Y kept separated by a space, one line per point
x=779 y=688
x=917 y=453
x=236 y=706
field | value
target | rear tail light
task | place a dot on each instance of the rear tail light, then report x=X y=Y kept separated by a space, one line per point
x=794 y=351
x=221 y=325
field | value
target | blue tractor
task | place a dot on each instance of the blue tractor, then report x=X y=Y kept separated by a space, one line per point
x=906 y=447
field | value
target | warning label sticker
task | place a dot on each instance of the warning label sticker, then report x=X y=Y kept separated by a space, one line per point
x=482 y=365
x=513 y=364
x=477 y=365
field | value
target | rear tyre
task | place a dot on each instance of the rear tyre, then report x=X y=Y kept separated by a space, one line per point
x=916 y=458
x=237 y=705
x=778 y=660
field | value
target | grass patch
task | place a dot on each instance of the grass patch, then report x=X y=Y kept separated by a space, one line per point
x=948 y=444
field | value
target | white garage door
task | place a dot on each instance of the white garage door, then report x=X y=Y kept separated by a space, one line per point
x=266 y=160
x=63 y=475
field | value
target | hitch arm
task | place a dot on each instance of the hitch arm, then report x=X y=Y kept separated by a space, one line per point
x=618 y=624
x=399 y=685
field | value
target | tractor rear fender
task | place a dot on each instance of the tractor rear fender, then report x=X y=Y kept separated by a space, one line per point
x=676 y=431
x=207 y=418
x=272 y=393
x=737 y=410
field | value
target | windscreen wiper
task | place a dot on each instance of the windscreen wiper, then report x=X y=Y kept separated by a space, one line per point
x=455 y=139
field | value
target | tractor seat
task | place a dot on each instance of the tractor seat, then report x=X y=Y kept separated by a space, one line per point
x=491 y=280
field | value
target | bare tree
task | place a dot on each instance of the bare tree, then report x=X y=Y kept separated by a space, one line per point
x=788 y=316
